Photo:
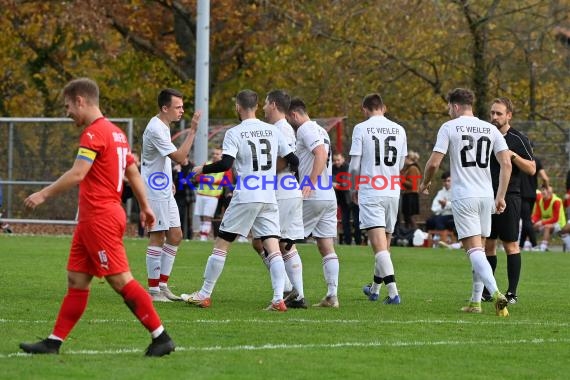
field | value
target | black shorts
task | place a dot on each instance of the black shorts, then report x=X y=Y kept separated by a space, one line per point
x=505 y=226
x=410 y=204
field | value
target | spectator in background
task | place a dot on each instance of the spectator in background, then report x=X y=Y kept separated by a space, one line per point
x=128 y=194
x=208 y=193
x=410 y=196
x=184 y=196
x=224 y=201
x=529 y=186
x=347 y=208
x=548 y=215
x=566 y=196
x=442 y=218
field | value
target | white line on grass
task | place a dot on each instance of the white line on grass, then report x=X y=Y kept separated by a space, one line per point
x=270 y=346
x=498 y=321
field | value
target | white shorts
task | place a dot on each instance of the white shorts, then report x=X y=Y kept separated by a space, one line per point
x=205 y=205
x=319 y=218
x=379 y=212
x=262 y=219
x=291 y=218
x=472 y=216
x=166 y=212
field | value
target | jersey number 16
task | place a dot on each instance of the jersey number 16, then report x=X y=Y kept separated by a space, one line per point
x=390 y=152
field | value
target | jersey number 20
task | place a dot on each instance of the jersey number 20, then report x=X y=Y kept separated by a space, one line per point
x=482 y=149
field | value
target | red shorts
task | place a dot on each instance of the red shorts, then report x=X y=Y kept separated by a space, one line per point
x=97 y=247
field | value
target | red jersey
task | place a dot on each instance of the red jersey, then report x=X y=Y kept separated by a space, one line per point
x=106 y=146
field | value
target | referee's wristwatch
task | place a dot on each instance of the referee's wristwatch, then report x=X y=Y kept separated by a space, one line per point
x=513 y=157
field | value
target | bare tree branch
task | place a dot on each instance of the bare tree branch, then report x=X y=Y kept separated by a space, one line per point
x=147 y=46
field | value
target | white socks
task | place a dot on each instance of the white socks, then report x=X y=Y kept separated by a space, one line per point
x=330 y=271
x=384 y=267
x=482 y=269
x=214 y=268
x=477 y=291
x=294 y=269
x=277 y=271
x=153 y=255
x=205 y=228
x=167 y=257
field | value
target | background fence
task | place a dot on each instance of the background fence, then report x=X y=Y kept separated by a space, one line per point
x=34 y=152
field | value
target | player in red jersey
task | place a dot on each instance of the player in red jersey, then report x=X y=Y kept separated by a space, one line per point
x=97 y=248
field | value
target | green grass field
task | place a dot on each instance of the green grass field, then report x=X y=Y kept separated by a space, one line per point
x=425 y=337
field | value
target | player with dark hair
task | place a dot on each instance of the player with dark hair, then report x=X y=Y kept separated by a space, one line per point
x=378 y=150
x=319 y=199
x=253 y=147
x=156 y=169
x=290 y=203
x=469 y=142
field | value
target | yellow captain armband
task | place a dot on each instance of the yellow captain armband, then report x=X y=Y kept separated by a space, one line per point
x=86 y=154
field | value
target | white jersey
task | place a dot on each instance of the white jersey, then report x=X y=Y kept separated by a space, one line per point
x=288 y=187
x=309 y=136
x=470 y=141
x=382 y=145
x=156 y=167
x=255 y=146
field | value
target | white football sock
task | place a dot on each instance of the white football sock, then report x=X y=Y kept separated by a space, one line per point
x=288 y=285
x=214 y=268
x=205 y=228
x=277 y=271
x=384 y=266
x=330 y=271
x=375 y=288
x=477 y=291
x=566 y=240
x=482 y=268
x=294 y=269
x=167 y=257
x=153 y=264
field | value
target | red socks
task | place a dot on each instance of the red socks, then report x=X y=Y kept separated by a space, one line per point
x=72 y=308
x=140 y=303
x=75 y=302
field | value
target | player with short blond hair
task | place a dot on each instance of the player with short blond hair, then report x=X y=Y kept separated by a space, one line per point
x=97 y=248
